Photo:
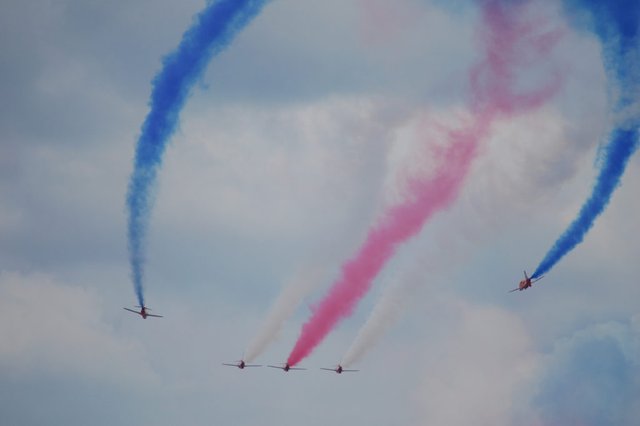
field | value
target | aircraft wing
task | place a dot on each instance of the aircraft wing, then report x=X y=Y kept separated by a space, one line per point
x=131 y=310
x=282 y=368
x=230 y=365
x=515 y=289
x=253 y=365
x=349 y=371
x=153 y=315
x=328 y=369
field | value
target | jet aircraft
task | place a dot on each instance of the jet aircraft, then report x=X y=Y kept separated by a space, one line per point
x=338 y=369
x=143 y=312
x=526 y=283
x=241 y=364
x=286 y=367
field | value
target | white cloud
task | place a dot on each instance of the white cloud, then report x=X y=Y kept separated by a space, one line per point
x=473 y=373
x=591 y=377
x=48 y=327
x=293 y=171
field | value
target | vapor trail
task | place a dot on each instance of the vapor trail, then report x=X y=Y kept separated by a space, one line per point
x=509 y=36
x=394 y=300
x=212 y=30
x=396 y=225
x=492 y=85
x=300 y=286
x=617 y=24
x=374 y=125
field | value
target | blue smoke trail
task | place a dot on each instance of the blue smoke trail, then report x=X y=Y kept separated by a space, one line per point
x=212 y=30
x=617 y=24
x=616 y=155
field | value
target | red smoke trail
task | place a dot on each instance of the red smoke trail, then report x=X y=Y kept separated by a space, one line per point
x=492 y=82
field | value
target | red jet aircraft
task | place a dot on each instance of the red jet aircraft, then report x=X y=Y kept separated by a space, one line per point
x=526 y=283
x=338 y=369
x=286 y=367
x=143 y=312
x=241 y=364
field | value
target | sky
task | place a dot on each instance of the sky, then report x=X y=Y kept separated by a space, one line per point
x=291 y=143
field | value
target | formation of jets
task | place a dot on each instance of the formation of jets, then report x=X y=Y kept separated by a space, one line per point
x=241 y=364
x=286 y=367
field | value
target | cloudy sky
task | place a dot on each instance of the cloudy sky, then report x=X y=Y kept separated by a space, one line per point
x=294 y=139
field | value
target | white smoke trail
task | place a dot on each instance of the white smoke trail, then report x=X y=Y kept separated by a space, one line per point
x=386 y=312
x=430 y=127
x=370 y=130
x=304 y=281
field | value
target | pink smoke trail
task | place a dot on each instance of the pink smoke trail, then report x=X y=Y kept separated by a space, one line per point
x=493 y=95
